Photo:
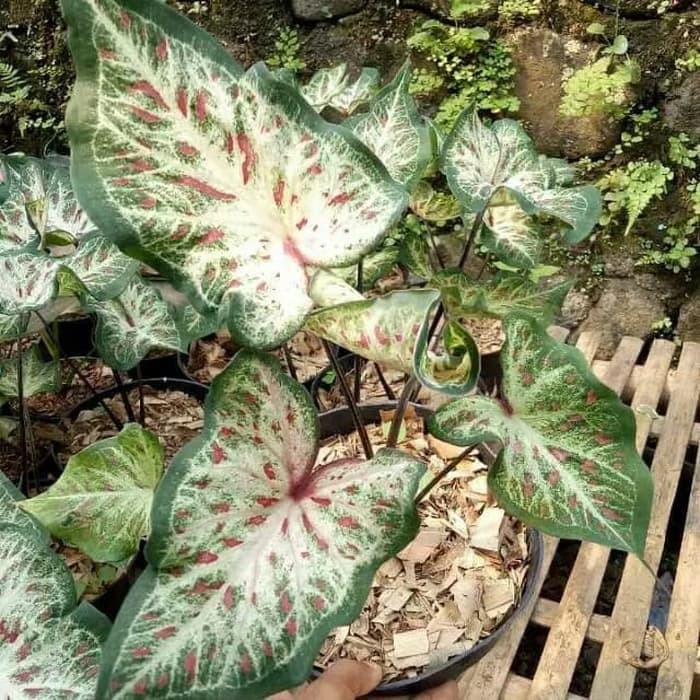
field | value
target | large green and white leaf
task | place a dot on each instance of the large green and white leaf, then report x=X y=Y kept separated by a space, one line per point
x=394 y=130
x=27 y=281
x=357 y=93
x=500 y=296
x=132 y=324
x=13 y=327
x=479 y=160
x=510 y=234
x=101 y=504
x=229 y=185
x=393 y=331
x=101 y=267
x=568 y=466
x=38 y=377
x=20 y=178
x=12 y=514
x=49 y=649
x=332 y=87
x=255 y=555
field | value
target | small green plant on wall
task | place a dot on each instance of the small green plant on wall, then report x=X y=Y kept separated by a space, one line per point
x=287 y=53
x=468 y=64
x=603 y=86
x=510 y=10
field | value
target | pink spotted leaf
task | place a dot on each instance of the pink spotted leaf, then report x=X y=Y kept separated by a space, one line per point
x=255 y=553
x=568 y=465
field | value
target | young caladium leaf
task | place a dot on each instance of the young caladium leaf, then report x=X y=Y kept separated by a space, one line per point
x=416 y=254
x=49 y=648
x=394 y=130
x=254 y=554
x=392 y=330
x=432 y=205
x=568 y=466
x=479 y=160
x=12 y=514
x=101 y=504
x=132 y=324
x=327 y=289
x=38 y=376
x=332 y=87
x=499 y=296
x=509 y=233
x=227 y=184
x=357 y=93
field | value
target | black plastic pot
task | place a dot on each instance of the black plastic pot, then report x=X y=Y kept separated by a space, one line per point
x=196 y=389
x=491 y=371
x=75 y=336
x=160 y=366
x=339 y=422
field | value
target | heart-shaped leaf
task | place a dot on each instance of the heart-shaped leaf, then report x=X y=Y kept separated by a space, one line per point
x=101 y=504
x=254 y=554
x=13 y=327
x=568 y=466
x=38 y=376
x=228 y=184
x=27 y=281
x=134 y=323
x=49 y=648
x=332 y=87
x=11 y=514
x=433 y=205
x=393 y=331
x=499 y=296
x=479 y=160
x=192 y=325
x=394 y=130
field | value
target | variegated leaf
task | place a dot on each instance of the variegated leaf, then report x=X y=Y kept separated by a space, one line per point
x=356 y=93
x=49 y=649
x=194 y=325
x=325 y=85
x=38 y=376
x=394 y=130
x=479 y=160
x=433 y=205
x=568 y=466
x=11 y=514
x=392 y=330
x=229 y=185
x=27 y=281
x=132 y=324
x=254 y=554
x=499 y=296
x=13 y=327
x=101 y=503
x=101 y=267
x=20 y=177
x=510 y=234
x=417 y=255
x=327 y=289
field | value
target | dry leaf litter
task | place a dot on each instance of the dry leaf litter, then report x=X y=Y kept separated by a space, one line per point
x=453 y=585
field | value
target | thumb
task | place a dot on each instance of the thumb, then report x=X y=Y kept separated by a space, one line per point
x=344 y=680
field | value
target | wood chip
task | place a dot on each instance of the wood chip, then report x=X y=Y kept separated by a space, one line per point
x=444 y=450
x=497 y=595
x=411 y=643
x=425 y=543
x=395 y=599
x=391 y=568
x=467 y=594
x=486 y=533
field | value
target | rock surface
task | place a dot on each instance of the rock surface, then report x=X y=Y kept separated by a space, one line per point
x=682 y=108
x=624 y=308
x=689 y=319
x=318 y=10
x=541 y=56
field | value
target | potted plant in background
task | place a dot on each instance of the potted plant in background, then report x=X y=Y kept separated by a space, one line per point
x=230 y=185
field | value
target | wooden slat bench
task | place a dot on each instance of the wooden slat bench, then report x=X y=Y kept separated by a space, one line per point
x=668 y=379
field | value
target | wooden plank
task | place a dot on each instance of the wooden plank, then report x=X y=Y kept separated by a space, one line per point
x=657 y=427
x=546 y=612
x=486 y=679
x=614 y=678
x=600 y=367
x=675 y=679
x=566 y=636
x=517 y=688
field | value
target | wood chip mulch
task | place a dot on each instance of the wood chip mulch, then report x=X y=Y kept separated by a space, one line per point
x=453 y=585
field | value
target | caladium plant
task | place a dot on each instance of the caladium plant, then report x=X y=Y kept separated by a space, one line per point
x=227 y=183
x=568 y=464
x=255 y=553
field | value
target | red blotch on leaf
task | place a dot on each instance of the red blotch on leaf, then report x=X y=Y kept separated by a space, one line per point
x=148 y=203
x=269 y=471
x=206 y=557
x=228 y=598
x=125 y=19
x=302 y=223
x=187 y=150
x=554 y=477
x=221 y=507
x=589 y=466
x=559 y=454
x=205 y=189
x=107 y=54
x=166 y=632
x=200 y=105
x=141 y=166
x=602 y=439
x=348 y=522
x=278 y=192
x=256 y=520
x=190 y=664
x=217 y=453
x=147 y=89
x=163 y=680
x=144 y=115
x=319 y=603
x=162 y=49
x=291 y=627
x=141 y=652
x=246 y=147
x=246 y=664
x=591 y=398
x=573 y=502
x=139 y=688
x=211 y=235
x=611 y=514
x=232 y=542
x=285 y=604
x=182 y=101
x=266 y=501
x=321 y=501
x=267 y=649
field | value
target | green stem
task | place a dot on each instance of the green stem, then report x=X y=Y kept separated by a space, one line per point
x=400 y=412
